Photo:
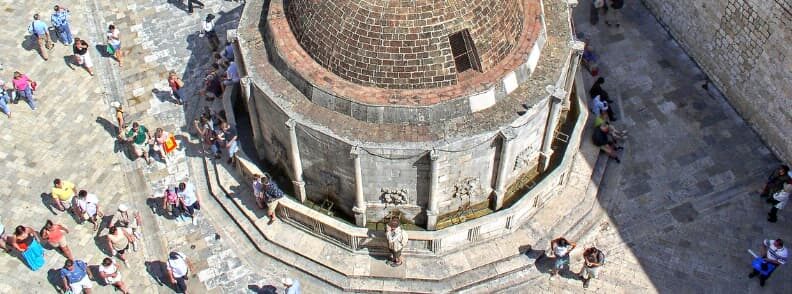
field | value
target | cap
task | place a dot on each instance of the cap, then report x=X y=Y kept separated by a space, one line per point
x=115 y=104
x=122 y=207
x=287 y=281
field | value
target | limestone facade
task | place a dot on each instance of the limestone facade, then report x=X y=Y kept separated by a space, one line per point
x=745 y=47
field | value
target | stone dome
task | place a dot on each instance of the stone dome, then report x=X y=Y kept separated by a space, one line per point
x=406 y=44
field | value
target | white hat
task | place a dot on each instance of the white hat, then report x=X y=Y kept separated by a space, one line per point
x=287 y=281
x=115 y=104
x=122 y=207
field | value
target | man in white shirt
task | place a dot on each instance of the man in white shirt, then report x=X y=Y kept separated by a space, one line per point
x=88 y=208
x=178 y=269
x=292 y=286
x=774 y=254
x=189 y=200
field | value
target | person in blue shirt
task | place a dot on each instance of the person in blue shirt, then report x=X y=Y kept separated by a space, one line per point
x=76 y=276
x=60 y=20
x=38 y=29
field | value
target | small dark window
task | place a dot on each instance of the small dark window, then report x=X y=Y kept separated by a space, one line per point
x=464 y=51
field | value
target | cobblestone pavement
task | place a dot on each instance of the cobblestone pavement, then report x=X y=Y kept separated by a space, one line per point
x=682 y=206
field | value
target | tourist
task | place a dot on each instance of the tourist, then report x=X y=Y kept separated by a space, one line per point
x=228 y=52
x=81 y=55
x=76 y=277
x=209 y=32
x=190 y=5
x=24 y=87
x=606 y=142
x=589 y=60
x=170 y=203
x=178 y=269
x=60 y=20
x=119 y=115
x=205 y=131
x=5 y=239
x=4 y=99
x=292 y=286
x=613 y=17
x=88 y=208
x=63 y=193
x=161 y=138
x=593 y=258
x=124 y=220
x=772 y=255
x=112 y=275
x=397 y=240
x=560 y=248
x=596 y=90
x=779 y=201
x=177 y=87
x=232 y=75
x=612 y=131
x=258 y=191
x=118 y=241
x=38 y=29
x=26 y=242
x=219 y=61
x=213 y=87
x=273 y=194
x=139 y=136
x=114 y=41
x=188 y=197
x=54 y=234
x=776 y=180
x=231 y=142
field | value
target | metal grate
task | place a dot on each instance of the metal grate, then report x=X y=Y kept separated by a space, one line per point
x=464 y=51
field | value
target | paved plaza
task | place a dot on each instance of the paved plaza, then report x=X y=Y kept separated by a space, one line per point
x=680 y=210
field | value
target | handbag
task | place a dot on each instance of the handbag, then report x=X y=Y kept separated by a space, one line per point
x=33 y=85
x=109 y=49
x=170 y=144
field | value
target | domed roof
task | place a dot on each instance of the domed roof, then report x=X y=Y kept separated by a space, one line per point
x=406 y=44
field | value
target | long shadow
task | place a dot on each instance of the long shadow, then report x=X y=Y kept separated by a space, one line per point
x=156 y=269
x=180 y=4
x=46 y=201
x=55 y=280
x=266 y=289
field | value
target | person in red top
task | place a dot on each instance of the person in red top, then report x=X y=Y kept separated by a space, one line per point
x=23 y=86
x=54 y=234
x=177 y=87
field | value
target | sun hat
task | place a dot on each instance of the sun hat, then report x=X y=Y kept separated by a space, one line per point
x=122 y=208
x=287 y=281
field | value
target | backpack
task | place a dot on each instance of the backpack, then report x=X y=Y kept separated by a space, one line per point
x=617 y=4
x=273 y=192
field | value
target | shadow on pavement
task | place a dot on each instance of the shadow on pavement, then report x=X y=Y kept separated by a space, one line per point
x=266 y=289
x=55 y=280
x=156 y=269
x=46 y=200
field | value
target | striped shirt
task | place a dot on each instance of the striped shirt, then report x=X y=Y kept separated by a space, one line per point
x=779 y=254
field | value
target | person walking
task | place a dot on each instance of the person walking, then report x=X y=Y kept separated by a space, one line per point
x=776 y=180
x=88 y=208
x=38 y=30
x=779 y=201
x=54 y=234
x=273 y=194
x=124 y=220
x=188 y=198
x=24 y=87
x=560 y=248
x=209 y=32
x=112 y=275
x=614 y=15
x=60 y=20
x=292 y=286
x=231 y=142
x=772 y=255
x=139 y=136
x=593 y=259
x=119 y=115
x=5 y=99
x=76 y=277
x=118 y=241
x=177 y=87
x=26 y=241
x=114 y=41
x=63 y=193
x=81 y=55
x=178 y=269
x=397 y=240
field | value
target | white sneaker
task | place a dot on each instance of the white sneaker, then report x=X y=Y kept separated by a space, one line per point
x=195 y=220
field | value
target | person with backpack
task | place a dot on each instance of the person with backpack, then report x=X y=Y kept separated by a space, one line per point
x=178 y=269
x=271 y=194
x=593 y=259
x=38 y=30
x=613 y=17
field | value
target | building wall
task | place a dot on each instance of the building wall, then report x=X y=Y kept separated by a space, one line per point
x=328 y=169
x=745 y=46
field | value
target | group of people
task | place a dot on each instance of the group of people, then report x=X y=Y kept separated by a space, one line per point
x=182 y=201
x=142 y=142
x=560 y=250
x=605 y=135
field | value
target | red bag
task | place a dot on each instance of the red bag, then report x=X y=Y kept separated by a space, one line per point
x=33 y=86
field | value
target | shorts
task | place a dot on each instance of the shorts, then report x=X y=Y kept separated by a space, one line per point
x=116 y=47
x=561 y=261
x=233 y=149
x=272 y=205
x=113 y=280
x=66 y=204
x=122 y=251
x=140 y=148
x=180 y=286
x=78 y=287
x=590 y=272
x=85 y=60
x=61 y=243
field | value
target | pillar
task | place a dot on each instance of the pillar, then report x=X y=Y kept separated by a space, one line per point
x=297 y=171
x=432 y=212
x=360 y=200
x=556 y=97
x=503 y=166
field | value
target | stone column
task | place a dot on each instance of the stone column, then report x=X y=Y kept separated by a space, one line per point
x=557 y=95
x=503 y=166
x=360 y=200
x=431 y=211
x=297 y=179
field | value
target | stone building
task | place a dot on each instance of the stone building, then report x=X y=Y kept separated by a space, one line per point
x=423 y=109
x=745 y=47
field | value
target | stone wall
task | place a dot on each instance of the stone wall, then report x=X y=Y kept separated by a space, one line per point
x=745 y=47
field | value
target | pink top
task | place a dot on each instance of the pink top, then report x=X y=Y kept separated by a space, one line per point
x=21 y=83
